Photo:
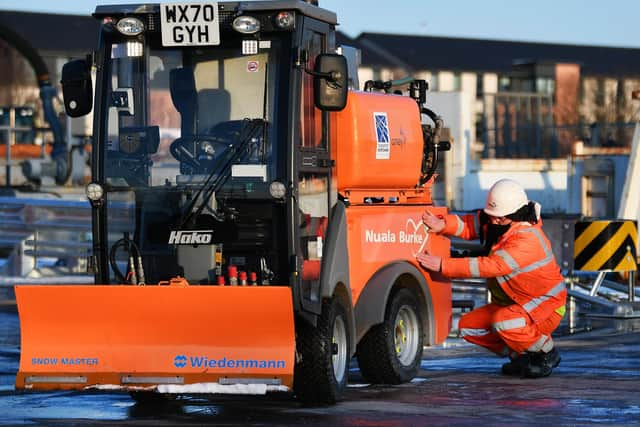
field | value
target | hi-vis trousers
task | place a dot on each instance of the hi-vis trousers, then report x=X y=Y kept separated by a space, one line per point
x=507 y=330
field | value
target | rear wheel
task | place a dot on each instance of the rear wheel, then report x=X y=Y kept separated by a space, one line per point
x=390 y=353
x=322 y=359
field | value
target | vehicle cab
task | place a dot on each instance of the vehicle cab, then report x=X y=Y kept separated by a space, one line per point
x=210 y=139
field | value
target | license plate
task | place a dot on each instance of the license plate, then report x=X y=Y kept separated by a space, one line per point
x=189 y=24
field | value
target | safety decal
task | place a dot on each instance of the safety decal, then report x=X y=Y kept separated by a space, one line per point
x=605 y=245
x=253 y=66
x=382 y=135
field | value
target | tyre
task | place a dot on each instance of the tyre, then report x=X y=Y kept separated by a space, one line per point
x=322 y=359
x=390 y=353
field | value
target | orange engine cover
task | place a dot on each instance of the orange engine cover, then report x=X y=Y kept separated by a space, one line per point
x=379 y=142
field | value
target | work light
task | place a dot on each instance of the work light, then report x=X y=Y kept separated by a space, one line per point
x=246 y=24
x=130 y=26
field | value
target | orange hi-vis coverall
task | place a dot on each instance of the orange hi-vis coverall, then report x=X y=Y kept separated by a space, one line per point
x=527 y=288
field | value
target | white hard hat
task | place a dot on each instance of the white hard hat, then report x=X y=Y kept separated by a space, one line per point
x=505 y=197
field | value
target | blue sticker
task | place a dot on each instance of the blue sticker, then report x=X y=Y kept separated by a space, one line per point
x=382 y=135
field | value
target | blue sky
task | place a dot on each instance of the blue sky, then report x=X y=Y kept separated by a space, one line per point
x=586 y=22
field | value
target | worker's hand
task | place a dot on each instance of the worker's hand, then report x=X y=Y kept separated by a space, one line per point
x=435 y=223
x=430 y=262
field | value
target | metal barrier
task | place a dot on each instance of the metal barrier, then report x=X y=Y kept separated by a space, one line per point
x=58 y=230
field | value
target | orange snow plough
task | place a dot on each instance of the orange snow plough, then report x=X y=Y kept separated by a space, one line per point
x=146 y=336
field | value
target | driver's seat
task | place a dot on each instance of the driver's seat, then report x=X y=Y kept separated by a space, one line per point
x=182 y=85
x=214 y=106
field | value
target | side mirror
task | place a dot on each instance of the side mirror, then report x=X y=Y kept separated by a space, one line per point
x=77 y=88
x=330 y=82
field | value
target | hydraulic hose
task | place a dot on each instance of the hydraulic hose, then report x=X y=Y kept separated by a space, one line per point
x=434 y=143
x=386 y=85
x=135 y=276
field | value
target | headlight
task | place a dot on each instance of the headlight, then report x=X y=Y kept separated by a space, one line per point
x=94 y=193
x=246 y=24
x=130 y=26
x=277 y=190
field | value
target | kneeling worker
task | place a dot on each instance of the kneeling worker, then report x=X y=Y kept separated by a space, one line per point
x=527 y=289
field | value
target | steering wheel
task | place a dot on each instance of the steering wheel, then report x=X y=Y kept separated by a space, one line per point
x=198 y=152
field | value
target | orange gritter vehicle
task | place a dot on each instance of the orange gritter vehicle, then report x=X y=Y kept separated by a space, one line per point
x=255 y=216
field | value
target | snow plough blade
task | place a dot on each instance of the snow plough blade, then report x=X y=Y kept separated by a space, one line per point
x=169 y=339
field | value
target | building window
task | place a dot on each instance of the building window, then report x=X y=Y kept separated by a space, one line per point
x=504 y=84
x=480 y=130
x=600 y=92
x=479 y=85
x=545 y=85
x=457 y=83
x=433 y=82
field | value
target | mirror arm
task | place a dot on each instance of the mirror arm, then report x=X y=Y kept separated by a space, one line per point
x=332 y=76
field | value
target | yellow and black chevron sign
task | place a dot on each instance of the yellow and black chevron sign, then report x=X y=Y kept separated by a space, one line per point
x=605 y=246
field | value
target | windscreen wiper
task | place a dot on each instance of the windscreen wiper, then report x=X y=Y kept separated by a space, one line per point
x=221 y=172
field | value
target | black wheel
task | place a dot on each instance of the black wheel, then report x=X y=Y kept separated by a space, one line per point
x=390 y=353
x=322 y=360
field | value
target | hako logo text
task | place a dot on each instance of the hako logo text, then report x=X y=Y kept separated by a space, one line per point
x=190 y=237
x=180 y=361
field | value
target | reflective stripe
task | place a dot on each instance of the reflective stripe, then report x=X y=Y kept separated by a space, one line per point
x=537 y=346
x=507 y=258
x=473 y=332
x=474 y=267
x=535 y=302
x=505 y=325
x=527 y=269
x=544 y=344
x=460 y=226
x=538 y=264
x=476 y=224
x=538 y=234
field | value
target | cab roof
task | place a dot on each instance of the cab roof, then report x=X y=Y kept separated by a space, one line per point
x=302 y=7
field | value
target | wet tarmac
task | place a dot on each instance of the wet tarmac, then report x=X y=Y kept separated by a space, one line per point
x=597 y=383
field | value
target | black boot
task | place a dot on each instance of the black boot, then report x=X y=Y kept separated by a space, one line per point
x=553 y=358
x=541 y=364
x=517 y=365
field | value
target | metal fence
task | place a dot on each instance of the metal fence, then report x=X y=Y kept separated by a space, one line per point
x=35 y=229
x=55 y=232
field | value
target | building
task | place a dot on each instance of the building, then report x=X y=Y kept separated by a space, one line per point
x=503 y=100
x=559 y=90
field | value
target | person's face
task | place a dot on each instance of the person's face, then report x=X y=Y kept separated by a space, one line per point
x=499 y=220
